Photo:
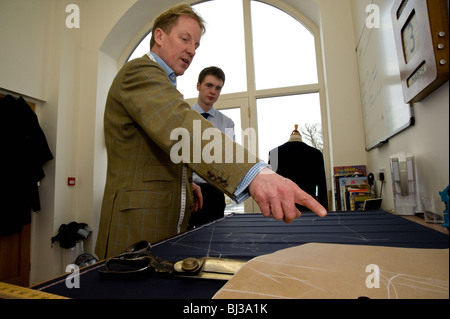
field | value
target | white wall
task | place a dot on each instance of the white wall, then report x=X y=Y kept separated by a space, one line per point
x=341 y=81
x=68 y=72
x=56 y=67
x=24 y=25
x=427 y=140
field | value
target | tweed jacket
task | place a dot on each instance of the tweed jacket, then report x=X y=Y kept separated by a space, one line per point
x=148 y=196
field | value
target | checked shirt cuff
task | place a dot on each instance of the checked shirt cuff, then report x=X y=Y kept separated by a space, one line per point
x=241 y=192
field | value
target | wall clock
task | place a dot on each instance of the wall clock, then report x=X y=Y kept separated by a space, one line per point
x=422 y=39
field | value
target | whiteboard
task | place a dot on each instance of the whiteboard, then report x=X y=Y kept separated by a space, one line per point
x=385 y=114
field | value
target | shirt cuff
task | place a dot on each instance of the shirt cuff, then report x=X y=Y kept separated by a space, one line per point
x=241 y=193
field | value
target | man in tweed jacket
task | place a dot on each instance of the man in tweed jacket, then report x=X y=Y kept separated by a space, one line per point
x=148 y=195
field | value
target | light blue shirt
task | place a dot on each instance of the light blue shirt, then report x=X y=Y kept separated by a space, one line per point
x=218 y=119
x=241 y=193
x=169 y=71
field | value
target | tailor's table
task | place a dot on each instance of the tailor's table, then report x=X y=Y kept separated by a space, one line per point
x=245 y=236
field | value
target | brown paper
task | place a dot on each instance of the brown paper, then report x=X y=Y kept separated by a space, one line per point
x=342 y=271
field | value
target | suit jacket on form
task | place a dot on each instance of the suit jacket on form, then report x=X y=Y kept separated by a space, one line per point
x=304 y=165
x=144 y=192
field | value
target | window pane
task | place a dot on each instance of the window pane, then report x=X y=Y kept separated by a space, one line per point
x=235 y=115
x=284 y=50
x=221 y=46
x=277 y=118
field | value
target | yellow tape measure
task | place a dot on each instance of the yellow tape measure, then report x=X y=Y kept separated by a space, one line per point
x=9 y=291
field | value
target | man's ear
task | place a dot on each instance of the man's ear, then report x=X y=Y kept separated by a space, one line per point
x=198 y=86
x=158 y=35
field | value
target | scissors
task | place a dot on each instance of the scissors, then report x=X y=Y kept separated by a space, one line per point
x=137 y=259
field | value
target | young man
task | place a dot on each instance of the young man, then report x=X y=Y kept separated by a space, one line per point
x=209 y=85
x=148 y=196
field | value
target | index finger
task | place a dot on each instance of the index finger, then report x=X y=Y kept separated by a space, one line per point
x=304 y=199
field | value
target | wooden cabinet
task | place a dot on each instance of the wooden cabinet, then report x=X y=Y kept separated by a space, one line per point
x=15 y=257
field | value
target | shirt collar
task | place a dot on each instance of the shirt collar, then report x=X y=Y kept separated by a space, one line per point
x=198 y=108
x=169 y=71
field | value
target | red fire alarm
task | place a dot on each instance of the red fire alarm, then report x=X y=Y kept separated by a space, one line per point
x=71 y=181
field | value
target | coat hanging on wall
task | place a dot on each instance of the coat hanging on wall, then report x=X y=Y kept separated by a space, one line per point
x=24 y=151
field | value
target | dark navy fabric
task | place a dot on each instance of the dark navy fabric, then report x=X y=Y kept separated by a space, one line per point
x=245 y=236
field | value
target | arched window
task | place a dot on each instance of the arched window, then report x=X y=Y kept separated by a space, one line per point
x=269 y=59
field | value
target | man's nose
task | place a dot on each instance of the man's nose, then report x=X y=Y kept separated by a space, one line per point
x=191 y=50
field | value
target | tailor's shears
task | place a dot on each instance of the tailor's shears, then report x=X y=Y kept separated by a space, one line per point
x=138 y=260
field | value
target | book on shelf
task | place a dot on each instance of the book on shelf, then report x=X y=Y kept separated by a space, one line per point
x=350 y=170
x=357 y=201
x=346 y=183
x=355 y=197
x=346 y=175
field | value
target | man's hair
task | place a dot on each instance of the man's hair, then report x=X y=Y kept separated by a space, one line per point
x=168 y=19
x=212 y=70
